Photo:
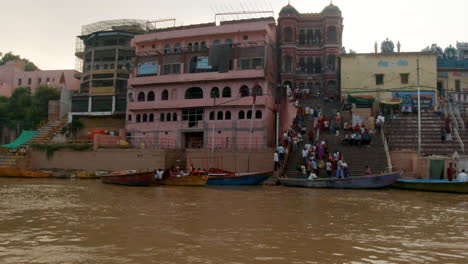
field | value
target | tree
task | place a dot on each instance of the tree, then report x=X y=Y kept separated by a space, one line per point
x=9 y=56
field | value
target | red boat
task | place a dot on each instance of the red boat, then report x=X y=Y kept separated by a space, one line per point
x=130 y=178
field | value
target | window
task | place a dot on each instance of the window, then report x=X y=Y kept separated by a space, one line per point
x=151 y=96
x=165 y=95
x=141 y=97
x=331 y=62
x=404 y=78
x=220 y=115
x=249 y=114
x=138 y=118
x=216 y=42
x=245 y=37
x=457 y=86
x=175 y=68
x=145 y=118
x=168 y=117
x=196 y=47
x=288 y=34
x=161 y=117
x=244 y=91
x=214 y=92
x=189 y=47
x=192 y=115
x=177 y=48
x=29 y=81
x=257 y=90
x=39 y=80
x=129 y=118
x=211 y=115
x=174 y=117
x=310 y=36
x=227 y=116
x=167 y=49
x=301 y=86
x=241 y=115
x=309 y=85
x=229 y=42
x=226 y=92
x=47 y=80
x=379 y=79
x=166 y=69
x=331 y=34
x=440 y=85
x=20 y=81
x=245 y=64
x=288 y=63
x=302 y=37
x=258 y=114
x=153 y=46
x=151 y=118
x=257 y=63
x=203 y=45
x=194 y=93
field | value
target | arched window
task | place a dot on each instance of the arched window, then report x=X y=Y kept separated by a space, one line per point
x=196 y=47
x=174 y=117
x=211 y=115
x=257 y=90
x=165 y=95
x=167 y=49
x=141 y=97
x=288 y=63
x=331 y=34
x=151 y=96
x=214 y=92
x=318 y=37
x=190 y=46
x=258 y=114
x=301 y=85
x=310 y=36
x=331 y=85
x=129 y=118
x=229 y=42
x=288 y=35
x=331 y=62
x=168 y=117
x=226 y=92
x=138 y=118
x=161 y=117
x=151 y=118
x=244 y=91
x=216 y=42
x=203 y=45
x=310 y=85
x=227 y=116
x=241 y=115
x=145 y=118
x=249 y=114
x=177 y=48
x=287 y=84
x=220 y=115
x=194 y=93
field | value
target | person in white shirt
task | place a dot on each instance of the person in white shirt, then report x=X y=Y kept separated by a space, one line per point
x=276 y=160
x=462 y=176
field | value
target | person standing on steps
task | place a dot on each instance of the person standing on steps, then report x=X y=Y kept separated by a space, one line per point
x=281 y=152
x=450 y=172
x=276 y=160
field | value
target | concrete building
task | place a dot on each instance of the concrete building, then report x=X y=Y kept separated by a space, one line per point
x=105 y=59
x=12 y=76
x=310 y=44
x=391 y=75
x=452 y=69
x=193 y=85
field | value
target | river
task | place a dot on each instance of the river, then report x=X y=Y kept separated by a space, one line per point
x=84 y=221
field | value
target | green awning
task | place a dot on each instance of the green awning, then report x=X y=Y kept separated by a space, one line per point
x=360 y=101
x=25 y=136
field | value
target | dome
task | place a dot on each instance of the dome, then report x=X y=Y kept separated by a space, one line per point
x=331 y=8
x=288 y=9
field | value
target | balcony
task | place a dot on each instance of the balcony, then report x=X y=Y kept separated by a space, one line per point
x=197 y=77
x=106 y=90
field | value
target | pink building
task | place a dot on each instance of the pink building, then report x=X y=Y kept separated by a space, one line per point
x=12 y=76
x=201 y=83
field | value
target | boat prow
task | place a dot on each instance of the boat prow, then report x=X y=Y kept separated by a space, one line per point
x=130 y=178
x=432 y=185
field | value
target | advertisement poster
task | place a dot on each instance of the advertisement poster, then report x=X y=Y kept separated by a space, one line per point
x=410 y=99
x=202 y=63
x=147 y=68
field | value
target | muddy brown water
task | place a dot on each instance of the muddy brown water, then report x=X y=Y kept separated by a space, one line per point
x=84 y=221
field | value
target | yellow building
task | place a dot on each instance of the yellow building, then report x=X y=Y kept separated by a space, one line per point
x=392 y=75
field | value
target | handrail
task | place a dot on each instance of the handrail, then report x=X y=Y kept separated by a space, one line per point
x=460 y=141
x=459 y=118
x=456 y=126
x=387 y=152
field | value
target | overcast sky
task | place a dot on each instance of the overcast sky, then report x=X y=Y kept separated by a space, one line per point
x=44 y=31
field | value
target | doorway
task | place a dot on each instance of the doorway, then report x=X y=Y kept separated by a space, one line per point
x=193 y=139
x=436 y=170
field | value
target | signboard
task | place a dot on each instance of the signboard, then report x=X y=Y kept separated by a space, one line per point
x=202 y=63
x=147 y=68
x=410 y=99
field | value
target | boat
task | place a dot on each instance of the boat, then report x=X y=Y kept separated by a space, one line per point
x=195 y=179
x=12 y=172
x=358 y=182
x=222 y=177
x=130 y=178
x=86 y=175
x=432 y=185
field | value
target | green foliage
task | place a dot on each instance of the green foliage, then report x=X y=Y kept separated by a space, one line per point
x=51 y=148
x=9 y=56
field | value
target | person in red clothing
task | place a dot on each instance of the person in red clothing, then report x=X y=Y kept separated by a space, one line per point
x=450 y=172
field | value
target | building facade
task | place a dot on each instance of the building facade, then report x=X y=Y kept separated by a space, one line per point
x=13 y=75
x=452 y=69
x=310 y=44
x=204 y=86
x=391 y=75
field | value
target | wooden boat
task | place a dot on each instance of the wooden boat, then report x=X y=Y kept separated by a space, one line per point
x=359 y=182
x=86 y=175
x=432 y=185
x=130 y=178
x=221 y=177
x=197 y=179
x=12 y=172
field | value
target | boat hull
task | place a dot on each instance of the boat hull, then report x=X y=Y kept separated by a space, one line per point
x=129 y=179
x=254 y=178
x=360 y=182
x=432 y=185
x=11 y=172
x=197 y=180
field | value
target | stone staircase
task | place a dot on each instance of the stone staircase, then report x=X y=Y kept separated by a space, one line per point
x=403 y=134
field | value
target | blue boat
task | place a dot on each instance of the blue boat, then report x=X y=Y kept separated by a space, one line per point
x=431 y=185
x=229 y=178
